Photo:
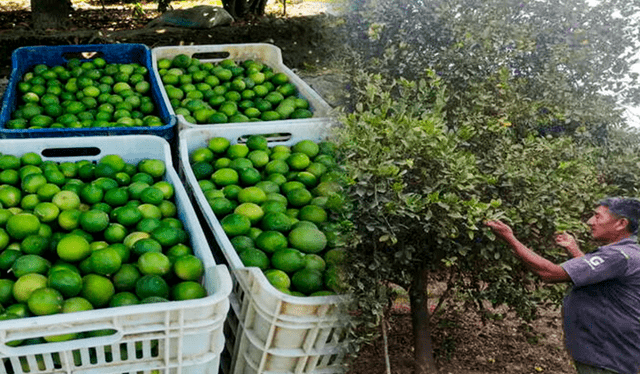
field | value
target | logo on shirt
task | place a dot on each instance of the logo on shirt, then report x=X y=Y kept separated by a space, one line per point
x=594 y=261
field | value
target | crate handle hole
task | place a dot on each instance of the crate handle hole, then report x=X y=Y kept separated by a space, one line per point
x=211 y=55
x=275 y=137
x=83 y=55
x=71 y=152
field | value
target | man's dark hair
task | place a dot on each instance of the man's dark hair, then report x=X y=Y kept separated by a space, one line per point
x=624 y=207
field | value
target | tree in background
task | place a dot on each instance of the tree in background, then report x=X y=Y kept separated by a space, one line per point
x=463 y=111
x=240 y=9
x=575 y=49
x=50 y=14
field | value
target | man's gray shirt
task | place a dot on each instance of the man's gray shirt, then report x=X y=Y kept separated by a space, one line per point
x=602 y=310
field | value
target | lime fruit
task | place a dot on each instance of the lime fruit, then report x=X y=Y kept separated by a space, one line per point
x=73 y=248
x=254 y=257
x=188 y=267
x=97 y=289
x=45 y=301
x=307 y=240
x=288 y=260
x=188 y=290
x=151 y=285
x=307 y=281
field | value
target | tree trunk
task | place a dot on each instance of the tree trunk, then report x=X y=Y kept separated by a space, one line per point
x=240 y=9
x=423 y=346
x=50 y=14
x=257 y=7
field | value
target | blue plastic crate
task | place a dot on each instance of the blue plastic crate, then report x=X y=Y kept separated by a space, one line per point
x=24 y=58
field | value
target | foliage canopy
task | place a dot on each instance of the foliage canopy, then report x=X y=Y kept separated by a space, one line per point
x=460 y=112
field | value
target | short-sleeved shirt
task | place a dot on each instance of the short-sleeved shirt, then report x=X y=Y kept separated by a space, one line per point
x=602 y=310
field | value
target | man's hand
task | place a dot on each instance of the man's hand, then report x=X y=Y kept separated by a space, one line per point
x=500 y=228
x=565 y=240
x=568 y=242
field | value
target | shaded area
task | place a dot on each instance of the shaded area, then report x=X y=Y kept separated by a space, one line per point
x=465 y=346
x=312 y=46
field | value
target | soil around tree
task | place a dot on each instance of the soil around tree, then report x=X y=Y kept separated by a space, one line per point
x=466 y=345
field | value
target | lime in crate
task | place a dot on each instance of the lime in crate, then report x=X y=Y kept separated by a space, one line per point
x=285 y=270
x=84 y=90
x=233 y=83
x=113 y=214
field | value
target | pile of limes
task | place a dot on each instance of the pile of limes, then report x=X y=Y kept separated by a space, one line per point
x=275 y=205
x=83 y=235
x=229 y=91
x=83 y=94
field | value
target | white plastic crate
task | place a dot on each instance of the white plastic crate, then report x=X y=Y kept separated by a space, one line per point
x=262 y=52
x=170 y=337
x=251 y=359
x=293 y=326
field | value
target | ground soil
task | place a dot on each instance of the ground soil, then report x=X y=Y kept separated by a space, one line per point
x=464 y=344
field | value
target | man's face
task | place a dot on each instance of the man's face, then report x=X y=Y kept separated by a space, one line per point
x=605 y=226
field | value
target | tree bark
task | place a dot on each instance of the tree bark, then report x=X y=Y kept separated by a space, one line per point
x=50 y=14
x=423 y=345
x=239 y=9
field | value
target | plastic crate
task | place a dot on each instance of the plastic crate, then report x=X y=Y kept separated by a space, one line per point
x=262 y=52
x=277 y=324
x=294 y=338
x=177 y=336
x=251 y=358
x=24 y=58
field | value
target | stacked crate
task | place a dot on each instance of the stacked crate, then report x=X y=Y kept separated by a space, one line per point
x=169 y=337
x=268 y=331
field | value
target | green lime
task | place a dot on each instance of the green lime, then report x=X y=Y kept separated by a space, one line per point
x=26 y=264
x=97 y=289
x=45 y=301
x=67 y=282
x=276 y=222
x=151 y=285
x=271 y=241
x=123 y=299
x=307 y=240
x=307 y=281
x=251 y=257
x=188 y=267
x=288 y=260
x=155 y=263
x=188 y=290
x=278 y=278
x=235 y=224
x=125 y=278
x=105 y=261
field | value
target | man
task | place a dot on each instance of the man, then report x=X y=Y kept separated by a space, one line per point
x=602 y=311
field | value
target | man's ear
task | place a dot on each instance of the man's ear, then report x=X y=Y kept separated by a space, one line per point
x=624 y=224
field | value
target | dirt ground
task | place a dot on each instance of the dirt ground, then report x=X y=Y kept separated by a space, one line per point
x=301 y=35
x=306 y=37
x=464 y=345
